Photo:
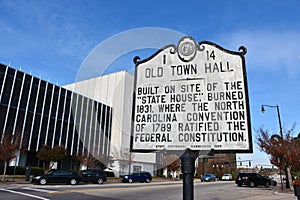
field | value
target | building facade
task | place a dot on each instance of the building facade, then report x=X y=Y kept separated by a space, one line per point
x=43 y=113
x=116 y=90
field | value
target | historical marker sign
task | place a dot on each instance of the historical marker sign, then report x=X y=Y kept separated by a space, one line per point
x=191 y=96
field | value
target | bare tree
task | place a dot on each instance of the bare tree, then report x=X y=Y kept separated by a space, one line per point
x=9 y=145
x=94 y=161
x=125 y=158
x=284 y=151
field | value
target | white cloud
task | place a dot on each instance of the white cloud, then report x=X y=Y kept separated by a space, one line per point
x=271 y=50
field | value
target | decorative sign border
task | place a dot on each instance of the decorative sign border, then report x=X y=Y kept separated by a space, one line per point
x=191 y=96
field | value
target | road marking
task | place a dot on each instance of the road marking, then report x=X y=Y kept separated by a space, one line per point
x=38 y=190
x=25 y=194
x=84 y=190
x=109 y=189
x=148 y=186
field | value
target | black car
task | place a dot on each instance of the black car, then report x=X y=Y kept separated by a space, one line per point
x=93 y=176
x=252 y=180
x=57 y=176
x=137 y=177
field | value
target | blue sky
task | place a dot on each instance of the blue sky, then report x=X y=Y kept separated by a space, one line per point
x=52 y=39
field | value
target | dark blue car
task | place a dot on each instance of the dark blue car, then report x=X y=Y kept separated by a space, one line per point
x=137 y=177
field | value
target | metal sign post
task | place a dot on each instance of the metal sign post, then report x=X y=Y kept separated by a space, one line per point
x=190 y=98
x=188 y=169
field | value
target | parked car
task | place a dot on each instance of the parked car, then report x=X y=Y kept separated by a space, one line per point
x=93 y=176
x=252 y=180
x=227 y=177
x=208 y=178
x=273 y=182
x=57 y=176
x=137 y=177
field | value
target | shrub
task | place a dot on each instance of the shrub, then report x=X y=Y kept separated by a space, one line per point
x=21 y=170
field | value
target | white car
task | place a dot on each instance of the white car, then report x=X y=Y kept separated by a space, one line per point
x=227 y=177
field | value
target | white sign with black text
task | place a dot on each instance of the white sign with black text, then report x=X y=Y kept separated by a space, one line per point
x=192 y=96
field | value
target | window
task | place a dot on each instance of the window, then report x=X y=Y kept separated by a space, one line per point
x=33 y=95
x=48 y=99
x=7 y=89
x=40 y=100
x=54 y=102
x=137 y=169
x=25 y=93
x=61 y=103
x=17 y=90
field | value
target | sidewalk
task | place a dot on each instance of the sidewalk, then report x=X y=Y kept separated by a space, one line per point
x=276 y=194
x=273 y=196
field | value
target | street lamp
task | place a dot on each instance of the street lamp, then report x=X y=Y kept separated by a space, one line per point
x=280 y=128
x=278 y=114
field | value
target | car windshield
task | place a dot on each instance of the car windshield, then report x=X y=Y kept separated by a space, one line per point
x=50 y=172
x=208 y=175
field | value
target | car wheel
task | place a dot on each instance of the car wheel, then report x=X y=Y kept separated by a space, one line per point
x=130 y=180
x=251 y=184
x=43 y=181
x=240 y=185
x=100 y=181
x=73 y=181
x=147 y=180
x=267 y=184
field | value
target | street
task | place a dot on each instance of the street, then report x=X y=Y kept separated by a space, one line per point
x=137 y=191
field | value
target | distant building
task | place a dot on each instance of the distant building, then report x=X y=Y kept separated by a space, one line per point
x=218 y=164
